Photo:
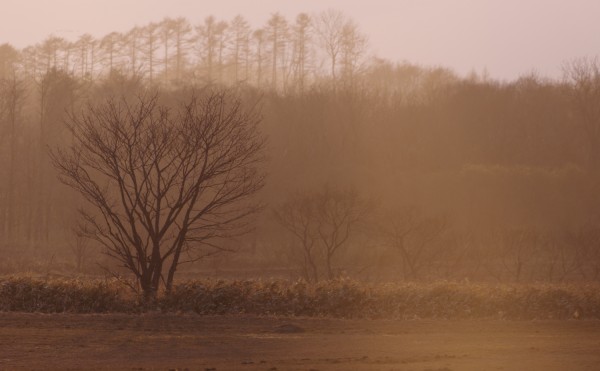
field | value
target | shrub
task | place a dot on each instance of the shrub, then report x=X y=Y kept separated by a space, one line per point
x=343 y=298
x=61 y=295
x=349 y=299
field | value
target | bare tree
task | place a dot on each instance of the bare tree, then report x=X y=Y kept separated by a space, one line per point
x=584 y=77
x=181 y=30
x=109 y=45
x=240 y=31
x=30 y=60
x=80 y=246
x=164 y=184
x=297 y=215
x=415 y=237
x=519 y=249
x=301 y=38
x=259 y=41
x=84 y=45
x=276 y=30
x=339 y=212
x=133 y=43
x=583 y=253
x=323 y=221
x=166 y=32
x=51 y=49
x=58 y=92
x=563 y=256
x=329 y=27
x=222 y=37
x=12 y=97
x=9 y=56
x=354 y=46
x=211 y=43
x=151 y=39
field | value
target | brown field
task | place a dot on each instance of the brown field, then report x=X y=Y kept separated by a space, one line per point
x=163 y=342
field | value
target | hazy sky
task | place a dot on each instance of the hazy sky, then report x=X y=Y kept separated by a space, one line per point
x=507 y=37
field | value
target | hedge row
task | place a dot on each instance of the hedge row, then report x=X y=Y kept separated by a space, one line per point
x=22 y=294
x=340 y=298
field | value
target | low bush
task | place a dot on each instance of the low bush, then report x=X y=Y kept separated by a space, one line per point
x=23 y=294
x=350 y=299
x=341 y=298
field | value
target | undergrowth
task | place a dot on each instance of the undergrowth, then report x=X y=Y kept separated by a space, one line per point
x=342 y=298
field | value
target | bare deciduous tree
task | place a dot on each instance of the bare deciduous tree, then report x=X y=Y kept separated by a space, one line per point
x=354 y=46
x=9 y=57
x=164 y=182
x=181 y=30
x=80 y=245
x=150 y=38
x=583 y=253
x=276 y=30
x=301 y=37
x=211 y=43
x=240 y=31
x=259 y=41
x=323 y=221
x=109 y=45
x=329 y=27
x=415 y=237
x=297 y=216
x=518 y=250
x=338 y=212
x=584 y=77
x=12 y=97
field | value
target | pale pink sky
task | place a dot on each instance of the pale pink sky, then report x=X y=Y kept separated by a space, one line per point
x=507 y=37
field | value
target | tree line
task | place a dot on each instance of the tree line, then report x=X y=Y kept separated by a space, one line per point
x=381 y=170
x=285 y=55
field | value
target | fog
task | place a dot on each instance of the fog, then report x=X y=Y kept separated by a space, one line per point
x=447 y=140
x=373 y=168
x=296 y=185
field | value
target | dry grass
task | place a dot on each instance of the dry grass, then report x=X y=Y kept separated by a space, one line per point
x=23 y=294
x=342 y=298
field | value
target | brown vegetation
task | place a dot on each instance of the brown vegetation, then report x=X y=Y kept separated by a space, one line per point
x=340 y=298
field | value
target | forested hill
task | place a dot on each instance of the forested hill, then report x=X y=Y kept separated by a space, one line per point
x=506 y=171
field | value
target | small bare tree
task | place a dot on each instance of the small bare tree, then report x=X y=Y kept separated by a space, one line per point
x=329 y=28
x=338 y=212
x=80 y=247
x=583 y=253
x=583 y=76
x=297 y=216
x=163 y=182
x=519 y=251
x=323 y=221
x=415 y=237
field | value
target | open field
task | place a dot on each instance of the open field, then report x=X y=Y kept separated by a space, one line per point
x=168 y=341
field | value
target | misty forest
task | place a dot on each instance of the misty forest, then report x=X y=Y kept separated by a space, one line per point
x=290 y=151
x=221 y=195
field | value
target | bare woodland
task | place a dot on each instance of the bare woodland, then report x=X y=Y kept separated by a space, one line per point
x=290 y=150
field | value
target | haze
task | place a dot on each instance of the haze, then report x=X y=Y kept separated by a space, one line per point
x=293 y=185
x=463 y=35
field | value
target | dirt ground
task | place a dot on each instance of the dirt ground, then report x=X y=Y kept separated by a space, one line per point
x=164 y=342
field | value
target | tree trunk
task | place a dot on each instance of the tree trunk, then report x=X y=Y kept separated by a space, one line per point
x=145 y=281
x=329 y=270
x=172 y=270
